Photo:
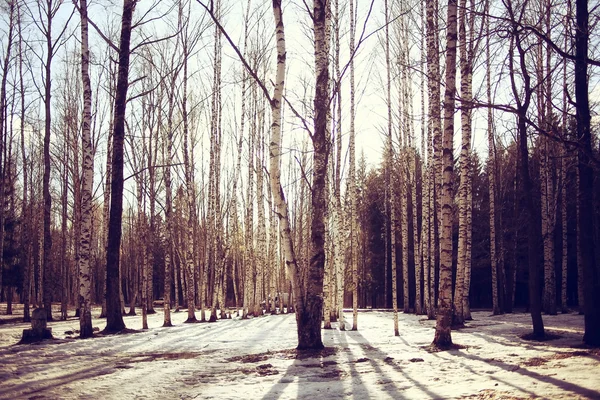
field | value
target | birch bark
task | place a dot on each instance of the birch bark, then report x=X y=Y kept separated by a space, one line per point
x=433 y=71
x=464 y=259
x=443 y=337
x=85 y=313
x=190 y=204
x=389 y=166
x=323 y=75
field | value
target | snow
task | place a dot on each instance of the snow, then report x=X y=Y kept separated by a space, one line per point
x=255 y=359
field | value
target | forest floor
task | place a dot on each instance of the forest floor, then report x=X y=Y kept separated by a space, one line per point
x=256 y=359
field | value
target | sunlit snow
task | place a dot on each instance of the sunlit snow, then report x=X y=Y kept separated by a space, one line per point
x=255 y=359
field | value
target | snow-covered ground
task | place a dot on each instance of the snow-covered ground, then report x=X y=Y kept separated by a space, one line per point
x=255 y=359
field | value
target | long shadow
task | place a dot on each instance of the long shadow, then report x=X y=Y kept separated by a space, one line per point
x=383 y=356
x=280 y=318
x=391 y=385
x=341 y=335
x=568 y=386
x=495 y=378
x=303 y=370
x=184 y=334
x=67 y=355
x=513 y=341
x=566 y=343
x=40 y=386
x=278 y=388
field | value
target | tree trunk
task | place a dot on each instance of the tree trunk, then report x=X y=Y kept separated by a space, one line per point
x=433 y=71
x=563 y=214
x=261 y=250
x=491 y=168
x=47 y=198
x=85 y=309
x=443 y=337
x=320 y=99
x=189 y=268
x=591 y=270
x=548 y=209
x=304 y=336
x=464 y=225
x=404 y=196
x=416 y=232
x=114 y=317
x=424 y=242
x=3 y=113
x=534 y=233
x=25 y=211
x=389 y=167
x=249 y=221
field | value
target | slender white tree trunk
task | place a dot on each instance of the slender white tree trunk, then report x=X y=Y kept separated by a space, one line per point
x=352 y=177
x=85 y=313
x=389 y=168
x=190 y=205
x=443 y=337
x=465 y=169
x=433 y=71
x=275 y=171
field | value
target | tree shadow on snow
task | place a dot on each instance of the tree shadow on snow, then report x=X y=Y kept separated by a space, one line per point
x=314 y=372
x=567 y=386
x=336 y=371
x=51 y=386
x=377 y=356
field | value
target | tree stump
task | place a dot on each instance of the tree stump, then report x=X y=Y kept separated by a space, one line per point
x=38 y=331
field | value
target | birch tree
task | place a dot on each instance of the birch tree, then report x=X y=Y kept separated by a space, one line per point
x=389 y=155
x=443 y=337
x=190 y=202
x=52 y=42
x=336 y=280
x=85 y=313
x=404 y=168
x=425 y=187
x=433 y=72
x=309 y=303
x=491 y=168
x=321 y=62
x=3 y=106
x=26 y=247
x=466 y=45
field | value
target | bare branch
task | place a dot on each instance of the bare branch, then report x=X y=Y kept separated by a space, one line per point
x=252 y=73
x=102 y=35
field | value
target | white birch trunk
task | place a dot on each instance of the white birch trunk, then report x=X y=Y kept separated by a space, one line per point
x=85 y=313
x=443 y=337
x=352 y=177
x=416 y=233
x=433 y=70
x=274 y=166
x=249 y=223
x=261 y=248
x=389 y=167
x=465 y=170
x=188 y=230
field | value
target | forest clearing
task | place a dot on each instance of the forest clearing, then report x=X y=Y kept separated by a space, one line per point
x=256 y=359
x=380 y=167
